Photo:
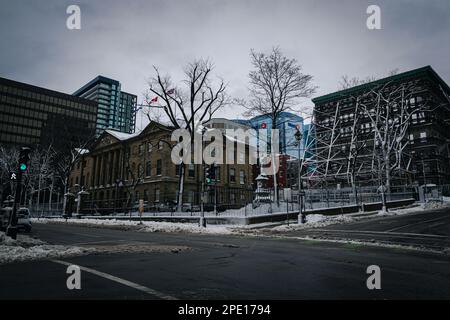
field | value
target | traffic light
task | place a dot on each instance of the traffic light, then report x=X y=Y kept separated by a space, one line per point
x=208 y=175
x=24 y=158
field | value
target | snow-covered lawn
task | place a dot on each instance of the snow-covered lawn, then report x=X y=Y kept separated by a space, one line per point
x=146 y=226
x=26 y=248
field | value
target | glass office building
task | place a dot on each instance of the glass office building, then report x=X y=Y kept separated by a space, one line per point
x=286 y=124
x=116 y=108
x=34 y=116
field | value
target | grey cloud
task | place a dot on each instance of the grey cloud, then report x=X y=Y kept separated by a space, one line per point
x=124 y=39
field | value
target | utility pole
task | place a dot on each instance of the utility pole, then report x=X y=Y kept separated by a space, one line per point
x=301 y=214
x=424 y=182
x=202 y=195
x=24 y=158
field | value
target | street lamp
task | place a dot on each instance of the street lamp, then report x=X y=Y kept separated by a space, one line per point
x=301 y=215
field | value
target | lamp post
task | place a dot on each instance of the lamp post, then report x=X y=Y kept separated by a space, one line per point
x=119 y=185
x=202 y=221
x=301 y=215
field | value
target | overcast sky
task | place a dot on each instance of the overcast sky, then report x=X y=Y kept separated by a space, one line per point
x=123 y=39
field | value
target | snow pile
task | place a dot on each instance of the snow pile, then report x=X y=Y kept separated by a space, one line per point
x=435 y=205
x=146 y=226
x=316 y=221
x=26 y=248
x=431 y=205
x=22 y=241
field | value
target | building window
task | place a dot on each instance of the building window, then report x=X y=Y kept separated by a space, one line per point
x=217 y=168
x=232 y=175
x=191 y=170
x=148 y=169
x=149 y=147
x=141 y=149
x=158 y=167
x=242 y=177
x=145 y=195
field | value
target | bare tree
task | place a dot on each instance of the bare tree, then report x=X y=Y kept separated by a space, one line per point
x=40 y=173
x=64 y=163
x=390 y=109
x=347 y=82
x=189 y=104
x=9 y=158
x=277 y=83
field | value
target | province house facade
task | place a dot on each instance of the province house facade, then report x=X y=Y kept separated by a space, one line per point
x=120 y=169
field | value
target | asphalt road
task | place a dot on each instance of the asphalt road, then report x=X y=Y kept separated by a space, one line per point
x=225 y=267
x=428 y=229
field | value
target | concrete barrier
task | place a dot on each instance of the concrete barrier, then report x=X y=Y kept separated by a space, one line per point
x=374 y=206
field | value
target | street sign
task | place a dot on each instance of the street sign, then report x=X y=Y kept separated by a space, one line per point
x=141 y=206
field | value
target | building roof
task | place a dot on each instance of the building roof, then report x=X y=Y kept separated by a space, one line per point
x=29 y=87
x=427 y=71
x=94 y=81
x=122 y=136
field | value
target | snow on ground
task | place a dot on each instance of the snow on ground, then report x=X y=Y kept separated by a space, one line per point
x=431 y=205
x=320 y=221
x=313 y=221
x=317 y=221
x=26 y=248
x=146 y=226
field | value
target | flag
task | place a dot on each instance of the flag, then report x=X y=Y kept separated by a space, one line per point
x=171 y=91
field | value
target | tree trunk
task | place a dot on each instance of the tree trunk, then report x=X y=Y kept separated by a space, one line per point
x=39 y=190
x=181 y=188
x=388 y=177
x=50 y=197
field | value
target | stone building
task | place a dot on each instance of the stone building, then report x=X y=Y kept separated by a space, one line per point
x=120 y=169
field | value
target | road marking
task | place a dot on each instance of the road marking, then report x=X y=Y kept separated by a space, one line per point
x=121 y=281
x=416 y=223
x=383 y=233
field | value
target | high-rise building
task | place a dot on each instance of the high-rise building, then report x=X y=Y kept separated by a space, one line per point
x=116 y=108
x=34 y=116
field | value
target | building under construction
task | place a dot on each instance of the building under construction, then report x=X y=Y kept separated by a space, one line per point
x=392 y=131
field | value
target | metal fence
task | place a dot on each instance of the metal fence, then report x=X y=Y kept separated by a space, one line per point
x=238 y=203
